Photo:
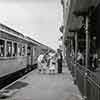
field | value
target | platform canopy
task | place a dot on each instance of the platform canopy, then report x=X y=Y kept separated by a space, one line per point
x=80 y=7
x=84 y=4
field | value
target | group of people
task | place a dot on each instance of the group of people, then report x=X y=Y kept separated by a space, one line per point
x=92 y=61
x=50 y=62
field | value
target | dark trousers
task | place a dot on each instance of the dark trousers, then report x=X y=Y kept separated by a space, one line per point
x=59 y=66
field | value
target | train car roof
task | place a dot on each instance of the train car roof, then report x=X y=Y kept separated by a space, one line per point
x=32 y=40
x=11 y=31
x=42 y=46
x=8 y=29
x=15 y=33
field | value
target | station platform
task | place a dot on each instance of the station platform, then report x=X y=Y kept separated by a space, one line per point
x=38 y=86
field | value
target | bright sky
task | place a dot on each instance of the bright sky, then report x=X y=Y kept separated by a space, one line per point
x=39 y=19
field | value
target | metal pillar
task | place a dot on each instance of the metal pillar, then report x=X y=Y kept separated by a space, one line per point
x=87 y=44
x=65 y=17
x=76 y=48
x=87 y=56
x=64 y=51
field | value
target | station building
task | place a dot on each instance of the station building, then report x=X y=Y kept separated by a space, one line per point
x=81 y=33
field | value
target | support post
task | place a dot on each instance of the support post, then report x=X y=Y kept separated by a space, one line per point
x=87 y=57
x=87 y=43
x=76 y=48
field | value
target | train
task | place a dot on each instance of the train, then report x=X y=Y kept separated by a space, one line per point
x=18 y=51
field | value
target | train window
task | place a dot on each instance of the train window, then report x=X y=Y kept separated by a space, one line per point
x=20 y=49
x=23 y=50
x=14 y=49
x=28 y=50
x=2 y=47
x=9 y=49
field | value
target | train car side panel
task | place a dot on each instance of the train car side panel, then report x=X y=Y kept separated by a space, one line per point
x=10 y=65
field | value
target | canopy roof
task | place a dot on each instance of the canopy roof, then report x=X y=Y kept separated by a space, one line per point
x=84 y=4
x=79 y=7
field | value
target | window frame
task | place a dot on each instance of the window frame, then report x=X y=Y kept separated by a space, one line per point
x=13 y=49
x=4 y=47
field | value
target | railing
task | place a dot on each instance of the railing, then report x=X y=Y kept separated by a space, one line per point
x=71 y=66
x=93 y=86
x=80 y=78
x=87 y=81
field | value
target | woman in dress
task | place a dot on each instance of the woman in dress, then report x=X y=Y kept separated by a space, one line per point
x=52 y=68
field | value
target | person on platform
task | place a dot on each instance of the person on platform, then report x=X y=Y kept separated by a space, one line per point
x=52 y=66
x=40 y=60
x=59 y=60
x=93 y=62
x=80 y=58
x=45 y=63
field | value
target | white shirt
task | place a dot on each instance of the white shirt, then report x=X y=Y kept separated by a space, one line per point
x=40 y=58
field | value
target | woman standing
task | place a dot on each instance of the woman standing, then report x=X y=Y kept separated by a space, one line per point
x=53 y=63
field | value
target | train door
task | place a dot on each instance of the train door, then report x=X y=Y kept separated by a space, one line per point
x=29 y=55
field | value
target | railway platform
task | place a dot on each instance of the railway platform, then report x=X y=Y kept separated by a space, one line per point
x=38 y=86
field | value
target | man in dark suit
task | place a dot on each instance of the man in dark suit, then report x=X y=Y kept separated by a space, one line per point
x=59 y=60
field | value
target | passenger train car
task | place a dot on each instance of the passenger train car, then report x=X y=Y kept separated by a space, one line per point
x=17 y=51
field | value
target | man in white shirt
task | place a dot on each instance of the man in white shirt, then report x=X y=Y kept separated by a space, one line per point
x=80 y=57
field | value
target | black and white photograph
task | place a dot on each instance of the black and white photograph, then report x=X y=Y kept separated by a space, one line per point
x=49 y=49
